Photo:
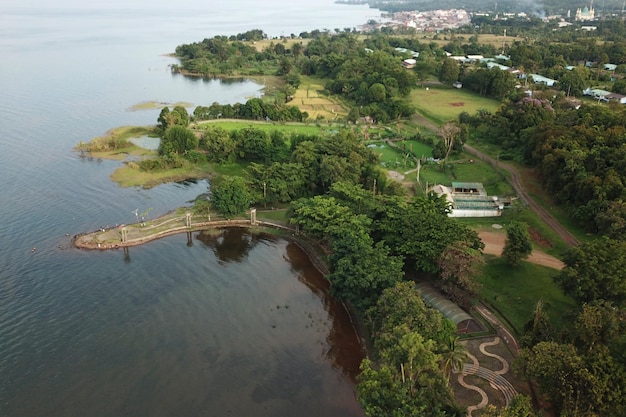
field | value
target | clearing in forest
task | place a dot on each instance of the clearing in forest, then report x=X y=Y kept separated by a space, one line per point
x=441 y=103
x=309 y=98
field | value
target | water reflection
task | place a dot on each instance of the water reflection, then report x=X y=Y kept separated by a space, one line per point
x=231 y=244
x=344 y=347
x=345 y=351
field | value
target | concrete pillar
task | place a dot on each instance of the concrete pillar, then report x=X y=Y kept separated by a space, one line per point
x=253 y=216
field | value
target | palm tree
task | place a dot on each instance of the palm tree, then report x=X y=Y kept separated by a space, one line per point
x=453 y=357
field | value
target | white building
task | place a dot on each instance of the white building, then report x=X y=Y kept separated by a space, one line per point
x=586 y=13
x=469 y=199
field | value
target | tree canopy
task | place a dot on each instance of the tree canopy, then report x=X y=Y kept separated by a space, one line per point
x=517 y=246
x=230 y=196
x=596 y=270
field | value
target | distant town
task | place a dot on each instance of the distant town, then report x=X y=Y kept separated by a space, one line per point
x=440 y=20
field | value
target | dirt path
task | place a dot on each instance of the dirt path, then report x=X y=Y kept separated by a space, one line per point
x=515 y=180
x=494 y=243
x=424 y=122
x=516 y=183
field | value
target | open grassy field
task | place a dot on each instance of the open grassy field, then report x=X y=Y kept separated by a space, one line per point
x=287 y=128
x=418 y=149
x=129 y=175
x=309 y=98
x=495 y=40
x=286 y=42
x=440 y=103
x=465 y=171
x=514 y=291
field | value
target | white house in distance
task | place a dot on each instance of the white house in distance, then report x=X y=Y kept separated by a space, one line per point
x=469 y=199
x=540 y=79
x=598 y=94
x=409 y=63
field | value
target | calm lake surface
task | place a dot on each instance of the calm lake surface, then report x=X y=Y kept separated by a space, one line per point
x=228 y=324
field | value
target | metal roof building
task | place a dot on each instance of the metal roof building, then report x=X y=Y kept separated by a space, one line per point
x=463 y=321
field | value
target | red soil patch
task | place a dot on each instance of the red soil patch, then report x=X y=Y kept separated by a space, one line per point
x=457 y=104
x=537 y=238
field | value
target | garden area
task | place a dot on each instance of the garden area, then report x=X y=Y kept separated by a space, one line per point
x=309 y=98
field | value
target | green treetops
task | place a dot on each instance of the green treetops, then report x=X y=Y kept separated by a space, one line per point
x=596 y=270
x=178 y=116
x=231 y=197
x=517 y=246
x=179 y=140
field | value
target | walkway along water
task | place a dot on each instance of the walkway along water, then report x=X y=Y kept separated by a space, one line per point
x=173 y=223
x=123 y=236
x=136 y=234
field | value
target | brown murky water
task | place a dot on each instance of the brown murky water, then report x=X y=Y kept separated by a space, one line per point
x=222 y=324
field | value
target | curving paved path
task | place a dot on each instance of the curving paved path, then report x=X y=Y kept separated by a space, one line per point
x=495 y=378
x=483 y=350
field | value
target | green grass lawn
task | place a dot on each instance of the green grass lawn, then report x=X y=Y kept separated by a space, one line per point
x=463 y=170
x=396 y=158
x=290 y=128
x=442 y=103
x=130 y=175
x=391 y=158
x=235 y=169
x=418 y=149
x=278 y=216
x=514 y=291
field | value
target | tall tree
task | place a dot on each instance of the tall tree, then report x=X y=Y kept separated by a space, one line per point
x=321 y=216
x=217 y=142
x=449 y=71
x=595 y=270
x=459 y=264
x=517 y=246
x=177 y=139
x=448 y=134
x=453 y=357
x=230 y=196
x=360 y=269
x=520 y=406
x=402 y=304
x=561 y=373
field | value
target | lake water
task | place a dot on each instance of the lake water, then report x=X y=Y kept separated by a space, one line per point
x=220 y=325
